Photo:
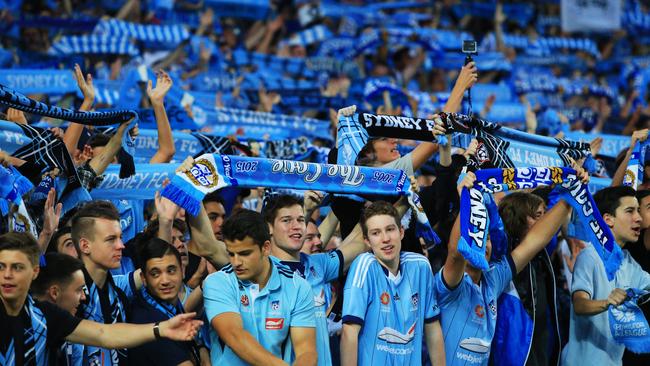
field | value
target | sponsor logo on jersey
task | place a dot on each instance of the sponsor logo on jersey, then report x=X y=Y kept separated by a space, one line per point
x=476 y=345
x=384 y=298
x=274 y=323
x=479 y=311
x=391 y=335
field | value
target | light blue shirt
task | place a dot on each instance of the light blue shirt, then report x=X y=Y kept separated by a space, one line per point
x=391 y=309
x=319 y=270
x=286 y=301
x=468 y=313
x=590 y=338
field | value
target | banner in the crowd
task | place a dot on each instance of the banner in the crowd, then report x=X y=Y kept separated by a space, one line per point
x=259 y=125
x=141 y=186
x=586 y=16
x=32 y=81
x=612 y=144
x=177 y=115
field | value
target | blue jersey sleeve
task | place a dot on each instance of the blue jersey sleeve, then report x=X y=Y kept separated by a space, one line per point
x=446 y=294
x=126 y=283
x=500 y=274
x=583 y=273
x=219 y=295
x=356 y=294
x=303 y=314
x=329 y=264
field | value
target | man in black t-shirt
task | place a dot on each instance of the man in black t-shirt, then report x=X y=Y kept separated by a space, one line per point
x=36 y=327
x=158 y=301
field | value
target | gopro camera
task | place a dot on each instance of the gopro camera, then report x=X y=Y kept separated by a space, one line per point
x=469 y=47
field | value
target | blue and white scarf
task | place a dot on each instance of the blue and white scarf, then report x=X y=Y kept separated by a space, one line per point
x=41 y=146
x=588 y=222
x=628 y=323
x=308 y=36
x=93 y=45
x=34 y=339
x=16 y=100
x=14 y=186
x=165 y=308
x=170 y=35
x=91 y=309
x=634 y=174
x=212 y=172
x=354 y=131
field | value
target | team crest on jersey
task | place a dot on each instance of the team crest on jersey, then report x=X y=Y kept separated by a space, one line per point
x=479 y=311
x=415 y=299
x=312 y=271
x=244 y=300
x=384 y=298
x=493 y=307
x=275 y=305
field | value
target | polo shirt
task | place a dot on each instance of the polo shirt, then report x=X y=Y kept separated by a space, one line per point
x=267 y=314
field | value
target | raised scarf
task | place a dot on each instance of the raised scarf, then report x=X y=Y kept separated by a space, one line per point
x=212 y=172
x=475 y=220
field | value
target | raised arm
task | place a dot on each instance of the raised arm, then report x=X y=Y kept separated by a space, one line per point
x=123 y=335
x=207 y=244
x=640 y=135
x=327 y=227
x=454 y=268
x=166 y=149
x=544 y=229
x=100 y=162
x=74 y=130
x=231 y=331
x=466 y=79
x=540 y=234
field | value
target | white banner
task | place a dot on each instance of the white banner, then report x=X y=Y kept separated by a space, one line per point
x=591 y=15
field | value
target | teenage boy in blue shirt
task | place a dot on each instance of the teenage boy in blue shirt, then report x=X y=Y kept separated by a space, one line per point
x=260 y=311
x=389 y=304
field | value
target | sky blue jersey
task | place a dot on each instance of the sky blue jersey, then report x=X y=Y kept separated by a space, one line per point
x=319 y=270
x=391 y=310
x=286 y=301
x=468 y=313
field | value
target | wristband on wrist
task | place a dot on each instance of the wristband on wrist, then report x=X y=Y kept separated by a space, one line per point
x=156 y=331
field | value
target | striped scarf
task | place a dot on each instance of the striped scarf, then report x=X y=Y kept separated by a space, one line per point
x=212 y=172
x=93 y=45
